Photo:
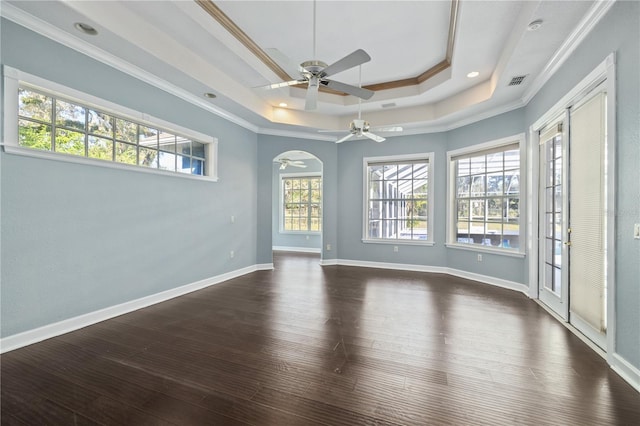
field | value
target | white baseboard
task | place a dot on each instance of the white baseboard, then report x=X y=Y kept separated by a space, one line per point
x=628 y=372
x=328 y=262
x=264 y=267
x=395 y=266
x=297 y=249
x=498 y=282
x=511 y=285
x=48 y=331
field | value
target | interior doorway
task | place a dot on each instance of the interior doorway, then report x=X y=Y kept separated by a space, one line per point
x=297 y=215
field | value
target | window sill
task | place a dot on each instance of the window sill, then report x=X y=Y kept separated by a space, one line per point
x=311 y=233
x=400 y=242
x=56 y=156
x=485 y=249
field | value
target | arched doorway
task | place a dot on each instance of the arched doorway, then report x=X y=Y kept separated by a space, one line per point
x=297 y=196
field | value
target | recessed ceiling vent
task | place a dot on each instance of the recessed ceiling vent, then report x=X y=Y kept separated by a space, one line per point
x=389 y=105
x=517 y=81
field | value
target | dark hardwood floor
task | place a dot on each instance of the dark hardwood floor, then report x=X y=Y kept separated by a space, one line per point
x=307 y=345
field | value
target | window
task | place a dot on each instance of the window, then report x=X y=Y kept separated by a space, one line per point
x=52 y=124
x=43 y=117
x=301 y=204
x=485 y=200
x=398 y=204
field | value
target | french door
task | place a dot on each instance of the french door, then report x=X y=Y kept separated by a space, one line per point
x=571 y=220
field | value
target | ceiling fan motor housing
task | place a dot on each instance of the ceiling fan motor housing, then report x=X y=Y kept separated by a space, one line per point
x=359 y=126
x=313 y=67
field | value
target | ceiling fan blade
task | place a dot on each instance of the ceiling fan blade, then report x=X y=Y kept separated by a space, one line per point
x=374 y=137
x=387 y=129
x=353 y=59
x=348 y=89
x=311 y=99
x=330 y=131
x=349 y=136
x=282 y=84
x=284 y=62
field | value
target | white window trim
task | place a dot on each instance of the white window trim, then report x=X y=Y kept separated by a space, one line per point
x=284 y=176
x=451 y=211
x=429 y=156
x=14 y=78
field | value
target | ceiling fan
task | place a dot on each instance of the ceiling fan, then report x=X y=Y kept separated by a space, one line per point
x=314 y=73
x=284 y=162
x=360 y=127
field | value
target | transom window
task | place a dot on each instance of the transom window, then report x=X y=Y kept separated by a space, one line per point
x=52 y=124
x=301 y=204
x=486 y=197
x=398 y=199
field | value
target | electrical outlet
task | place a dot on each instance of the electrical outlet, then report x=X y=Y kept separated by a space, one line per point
x=233 y=219
x=231 y=254
x=395 y=249
x=328 y=247
x=636 y=231
x=479 y=258
x=307 y=237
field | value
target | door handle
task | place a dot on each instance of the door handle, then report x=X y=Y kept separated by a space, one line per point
x=567 y=243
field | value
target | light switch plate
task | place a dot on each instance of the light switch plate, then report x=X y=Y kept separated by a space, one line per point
x=636 y=231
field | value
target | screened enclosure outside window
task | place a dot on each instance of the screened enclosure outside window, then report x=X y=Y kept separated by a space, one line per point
x=301 y=204
x=486 y=201
x=51 y=124
x=397 y=200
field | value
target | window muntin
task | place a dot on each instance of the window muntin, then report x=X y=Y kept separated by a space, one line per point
x=302 y=204
x=397 y=202
x=49 y=123
x=486 y=198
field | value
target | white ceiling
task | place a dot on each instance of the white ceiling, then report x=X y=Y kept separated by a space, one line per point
x=181 y=44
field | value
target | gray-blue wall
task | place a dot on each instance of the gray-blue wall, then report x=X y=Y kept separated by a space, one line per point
x=293 y=240
x=78 y=238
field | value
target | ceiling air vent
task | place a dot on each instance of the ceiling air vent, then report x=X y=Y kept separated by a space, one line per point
x=389 y=105
x=517 y=81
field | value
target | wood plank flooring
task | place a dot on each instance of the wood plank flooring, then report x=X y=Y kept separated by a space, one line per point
x=311 y=345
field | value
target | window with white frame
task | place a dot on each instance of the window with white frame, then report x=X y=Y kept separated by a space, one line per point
x=44 y=117
x=398 y=199
x=301 y=203
x=485 y=198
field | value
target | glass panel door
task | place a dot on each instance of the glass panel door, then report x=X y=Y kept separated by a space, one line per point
x=553 y=232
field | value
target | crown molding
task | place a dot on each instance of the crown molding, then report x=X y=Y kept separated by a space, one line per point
x=577 y=36
x=45 y=29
